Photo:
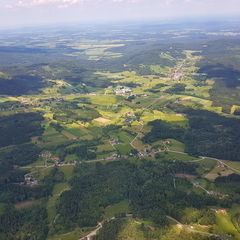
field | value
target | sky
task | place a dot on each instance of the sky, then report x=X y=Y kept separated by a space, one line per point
x=35 y=12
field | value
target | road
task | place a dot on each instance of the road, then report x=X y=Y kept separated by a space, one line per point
x=93 y=233
x=211 y=158
x=225 y=164
x=110 y=159
x=114 y=159
x=199 y=186
x=100 y=226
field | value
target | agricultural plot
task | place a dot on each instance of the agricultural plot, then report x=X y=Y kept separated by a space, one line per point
x=225 y=224
x=98 y=50
x=219 y=170
x=52 y=138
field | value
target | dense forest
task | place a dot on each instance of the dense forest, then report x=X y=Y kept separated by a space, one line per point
x=19 y=128
x=19 y=85
x=31 y=222
x=207 y=134
x=96 y=187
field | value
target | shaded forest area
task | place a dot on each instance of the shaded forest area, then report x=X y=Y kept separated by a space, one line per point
x=208 y=134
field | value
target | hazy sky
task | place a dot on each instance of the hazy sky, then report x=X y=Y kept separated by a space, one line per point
x=26 y=12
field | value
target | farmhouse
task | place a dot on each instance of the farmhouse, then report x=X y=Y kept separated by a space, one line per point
x=122 y=90
x=29 y=180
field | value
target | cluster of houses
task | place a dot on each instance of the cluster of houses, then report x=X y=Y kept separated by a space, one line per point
x=29 y=180
x=48 y=156
x=147 y=152
x=123 y=90
x=36 y=102
x=114 y=142
x=130 y=117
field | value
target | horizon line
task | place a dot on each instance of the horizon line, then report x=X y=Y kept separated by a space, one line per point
x=164 y=21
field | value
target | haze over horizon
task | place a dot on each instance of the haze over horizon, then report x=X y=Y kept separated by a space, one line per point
x=33 y=12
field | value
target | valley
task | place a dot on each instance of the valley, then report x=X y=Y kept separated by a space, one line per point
x=130 y=133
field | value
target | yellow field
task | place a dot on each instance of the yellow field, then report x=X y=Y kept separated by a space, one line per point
x=103 y=99
x=149 y=116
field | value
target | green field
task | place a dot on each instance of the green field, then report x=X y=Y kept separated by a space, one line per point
x=225 y=223
x=51 y=205
x=111 y=211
